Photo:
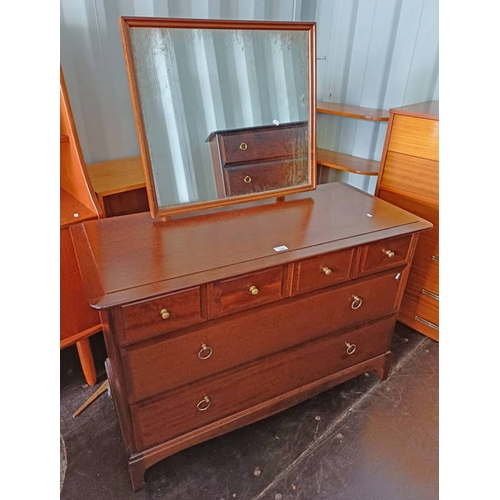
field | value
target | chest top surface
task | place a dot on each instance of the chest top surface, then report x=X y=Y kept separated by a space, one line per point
x=134 y=257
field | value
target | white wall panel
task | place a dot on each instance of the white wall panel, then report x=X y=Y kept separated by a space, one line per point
x=376 y=53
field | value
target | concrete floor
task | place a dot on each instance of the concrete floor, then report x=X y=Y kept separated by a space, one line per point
x=362 y=440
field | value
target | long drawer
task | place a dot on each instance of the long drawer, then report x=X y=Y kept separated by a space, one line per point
x=155 y=367
x=253 y=145
x=258 y=177
x=211 y=399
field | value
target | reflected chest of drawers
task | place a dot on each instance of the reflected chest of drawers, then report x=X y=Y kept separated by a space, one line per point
x=215 y=321
x=255 y=159
x=409 y=178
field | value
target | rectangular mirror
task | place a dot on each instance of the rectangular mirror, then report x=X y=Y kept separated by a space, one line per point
x=225 y=110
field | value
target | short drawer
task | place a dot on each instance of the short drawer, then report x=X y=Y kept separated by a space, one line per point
x=249 y=146
x=384 y=254
x=168 y=363
x=160 y=315
x=427 y=211
x=209 y=400
x=325 y=270
x=254 y=178
x=245 y=292
x=412 y=174
x=415 y=136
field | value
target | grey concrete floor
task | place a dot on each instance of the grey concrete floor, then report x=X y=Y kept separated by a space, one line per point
x=362 y=440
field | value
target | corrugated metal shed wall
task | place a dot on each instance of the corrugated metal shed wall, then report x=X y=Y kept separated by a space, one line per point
x=373 y=53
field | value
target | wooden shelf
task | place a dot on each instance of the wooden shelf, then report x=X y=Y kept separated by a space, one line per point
x=347 y=163
x=359 y=112
x=116 y=176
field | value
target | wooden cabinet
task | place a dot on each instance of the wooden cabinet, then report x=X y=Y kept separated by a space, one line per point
x=410 y=179
x=77 y=203
x=256 y=159
x=215 y=321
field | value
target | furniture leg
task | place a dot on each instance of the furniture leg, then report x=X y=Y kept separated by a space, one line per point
x=383 y=370
x=137 y=471
x=87 y=361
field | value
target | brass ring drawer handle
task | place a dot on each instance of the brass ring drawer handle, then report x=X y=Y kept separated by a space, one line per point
x=389 y=253
x=203 y=404
x=243 y=146
x=350 y=348
x=326 y=270
x=356 y=303
x=253 y=290
x=164 y=314
x=205 y=352
x=247 y=179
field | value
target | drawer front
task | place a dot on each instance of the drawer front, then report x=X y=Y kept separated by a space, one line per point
x=411 y=174
x=325 y=270
x=422 y=283
x=210 y=400
x=421 y=315
x=420 y=305
x=384 y=254
x=418 y=323
x=246 y=179
x=161 y=315
x=250 y=146
x=239 y=339
x=427 y=211
x=415 y=136
x=426 y=256
x=245 y=292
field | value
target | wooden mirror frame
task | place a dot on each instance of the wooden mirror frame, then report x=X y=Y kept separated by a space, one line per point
x=126 y=23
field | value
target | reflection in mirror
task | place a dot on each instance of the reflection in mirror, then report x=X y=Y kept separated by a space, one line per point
x=221 y=112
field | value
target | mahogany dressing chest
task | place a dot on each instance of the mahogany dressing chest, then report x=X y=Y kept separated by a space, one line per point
x=218 y=320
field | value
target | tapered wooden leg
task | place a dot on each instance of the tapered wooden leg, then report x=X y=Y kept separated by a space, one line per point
x=137 y=471
x=383 y=370
x=86 y=360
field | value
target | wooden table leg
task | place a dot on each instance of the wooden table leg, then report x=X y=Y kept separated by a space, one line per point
x=87 y=361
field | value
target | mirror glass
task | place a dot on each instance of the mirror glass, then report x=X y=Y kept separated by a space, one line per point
x=225 y=111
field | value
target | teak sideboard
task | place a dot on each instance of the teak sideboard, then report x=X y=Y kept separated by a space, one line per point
x=217 y=320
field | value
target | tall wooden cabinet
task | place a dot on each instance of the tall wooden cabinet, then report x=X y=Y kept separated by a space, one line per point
x=78 y=321
x=409 y=178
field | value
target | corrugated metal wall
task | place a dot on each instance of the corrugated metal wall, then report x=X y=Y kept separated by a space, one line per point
x=373 y=53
